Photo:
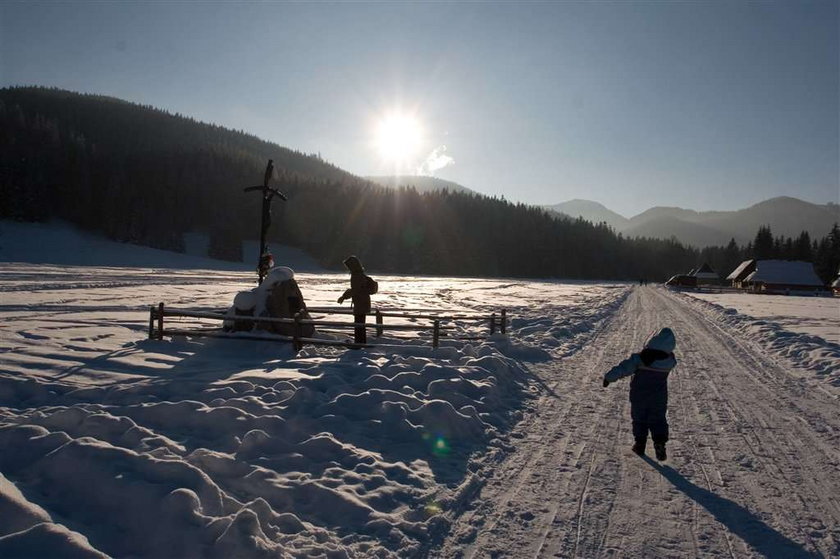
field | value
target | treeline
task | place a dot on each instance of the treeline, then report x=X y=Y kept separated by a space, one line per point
x=135 y=173
x=824 y=253
x=141 y=175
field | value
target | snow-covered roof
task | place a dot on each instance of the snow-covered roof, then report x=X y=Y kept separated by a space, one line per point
x=784 y=272
x=706 y=272
x=705 y=268
x=737 y=272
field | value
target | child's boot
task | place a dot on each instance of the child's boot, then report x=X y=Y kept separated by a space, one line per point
x=661 y=455
x=639 y=446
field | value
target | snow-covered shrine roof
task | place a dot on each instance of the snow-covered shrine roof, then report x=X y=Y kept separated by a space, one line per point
x=784 y=272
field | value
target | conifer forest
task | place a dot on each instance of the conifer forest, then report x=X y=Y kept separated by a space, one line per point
x=140 y=175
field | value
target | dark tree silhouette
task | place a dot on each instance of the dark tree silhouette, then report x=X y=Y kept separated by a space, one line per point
x=137 y=174
x=763 y=247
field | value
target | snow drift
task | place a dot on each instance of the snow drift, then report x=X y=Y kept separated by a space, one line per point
x=222 y=448
x=805 y=351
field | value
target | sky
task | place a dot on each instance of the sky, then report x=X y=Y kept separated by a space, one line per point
x=703 y=105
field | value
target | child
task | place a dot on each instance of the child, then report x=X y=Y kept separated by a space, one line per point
x=648 y=390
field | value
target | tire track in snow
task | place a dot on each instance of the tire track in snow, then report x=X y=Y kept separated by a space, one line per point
x=556 y=468
x=751 y=416
x=753 y=398
x=724 y=492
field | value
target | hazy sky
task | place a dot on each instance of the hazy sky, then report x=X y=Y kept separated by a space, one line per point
x=705 y=105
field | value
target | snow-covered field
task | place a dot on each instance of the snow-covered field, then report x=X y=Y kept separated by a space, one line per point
x=63 y=244
x=209 y=447
x=114 y=444
x=817 y=316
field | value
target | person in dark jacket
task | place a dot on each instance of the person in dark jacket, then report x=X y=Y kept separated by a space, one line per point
x=361 y=287
x=648 y=390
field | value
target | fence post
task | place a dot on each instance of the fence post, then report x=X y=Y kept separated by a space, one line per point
x=436 y=334
x=298 y=345
x=160 y=321
x=379 y=328
x=492 y=324
x=152 y=322
x=504 y=321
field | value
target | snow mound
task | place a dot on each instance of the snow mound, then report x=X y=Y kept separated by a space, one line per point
x=28 y=531
x=805 y=351
x=347 y=456
x=276 y=275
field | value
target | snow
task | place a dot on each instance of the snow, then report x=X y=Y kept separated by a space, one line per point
x=63 y=244
x=209 y=447
x=784 y=272
x=814 y=316
x=739 y=271
x=114 y=444
x=804 y=330
x=752 y=467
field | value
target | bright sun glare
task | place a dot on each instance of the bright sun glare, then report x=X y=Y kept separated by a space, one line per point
x=399 y=138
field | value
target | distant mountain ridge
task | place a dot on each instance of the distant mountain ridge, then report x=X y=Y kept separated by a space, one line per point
x=591 y=211
x=421 y=183
x=786 y=216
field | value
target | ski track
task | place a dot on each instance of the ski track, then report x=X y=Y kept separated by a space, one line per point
x=753 y=464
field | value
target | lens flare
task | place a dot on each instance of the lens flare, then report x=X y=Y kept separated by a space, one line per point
x=438 y=444
x=433 y=508
x=441 y=447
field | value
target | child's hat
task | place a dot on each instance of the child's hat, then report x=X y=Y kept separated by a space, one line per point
x=663 y=341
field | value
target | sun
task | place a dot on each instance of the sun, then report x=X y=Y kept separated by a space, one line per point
x=398 y=138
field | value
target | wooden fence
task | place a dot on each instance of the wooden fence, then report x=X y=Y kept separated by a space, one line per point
x=439 y=324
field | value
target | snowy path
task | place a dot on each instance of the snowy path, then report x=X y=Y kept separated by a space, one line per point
x=753 y=467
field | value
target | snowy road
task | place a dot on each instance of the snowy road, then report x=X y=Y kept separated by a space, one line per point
x=753 y=467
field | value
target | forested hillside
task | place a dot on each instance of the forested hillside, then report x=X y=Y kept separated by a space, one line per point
x=136 y=173
x=419 y=183
x=141 y=175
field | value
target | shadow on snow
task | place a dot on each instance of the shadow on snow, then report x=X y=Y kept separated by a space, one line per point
x=746 y=525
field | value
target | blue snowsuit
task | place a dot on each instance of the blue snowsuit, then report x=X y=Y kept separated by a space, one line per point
x=649 y=386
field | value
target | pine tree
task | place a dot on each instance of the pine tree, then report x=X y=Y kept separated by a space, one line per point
x=827 y=256
x=762 y=247
x=802 y=247
x=732 y=257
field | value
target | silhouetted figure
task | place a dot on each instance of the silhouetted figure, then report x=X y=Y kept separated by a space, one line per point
x=648 y=390
x=361 y=288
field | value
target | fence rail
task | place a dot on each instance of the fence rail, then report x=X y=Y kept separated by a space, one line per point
x=157 y=329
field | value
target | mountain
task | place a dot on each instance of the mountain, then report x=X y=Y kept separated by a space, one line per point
x=139 y=175
x=591 y=211
x=785 y=215
x=420 y=183
x=689 y=232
